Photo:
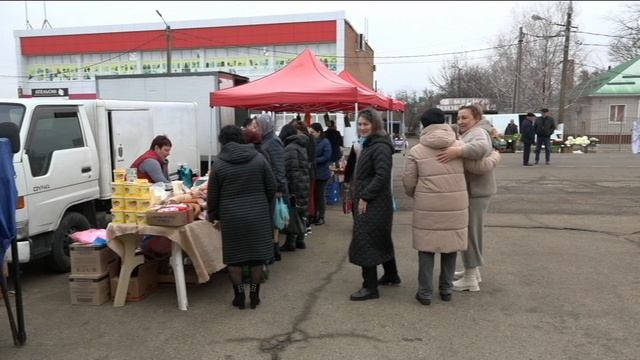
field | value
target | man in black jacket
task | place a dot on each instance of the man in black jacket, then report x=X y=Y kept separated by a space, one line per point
x=544 y=128
x=528 y=136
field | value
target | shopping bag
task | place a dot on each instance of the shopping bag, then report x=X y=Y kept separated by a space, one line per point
x=295 y=226
x=333 y=191
x=281 y=214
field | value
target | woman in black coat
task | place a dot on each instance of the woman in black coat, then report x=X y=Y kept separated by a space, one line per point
x=371 y=244
x=241 y=192
x=296 y=166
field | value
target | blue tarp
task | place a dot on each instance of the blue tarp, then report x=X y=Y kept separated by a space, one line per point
x=8 y=198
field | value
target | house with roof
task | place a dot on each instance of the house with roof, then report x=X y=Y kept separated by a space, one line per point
x=606 y=106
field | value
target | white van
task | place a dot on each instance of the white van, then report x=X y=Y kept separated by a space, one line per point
x=68 y=151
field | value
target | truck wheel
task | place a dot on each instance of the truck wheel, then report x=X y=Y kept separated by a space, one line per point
x=59 y=259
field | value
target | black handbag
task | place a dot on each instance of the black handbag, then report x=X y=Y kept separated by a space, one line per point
x=295 y=226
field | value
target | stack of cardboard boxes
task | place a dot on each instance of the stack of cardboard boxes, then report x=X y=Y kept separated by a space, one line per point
x=92 y=266
x=94 y=276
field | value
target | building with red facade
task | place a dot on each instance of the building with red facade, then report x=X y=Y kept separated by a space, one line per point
x=70 y=58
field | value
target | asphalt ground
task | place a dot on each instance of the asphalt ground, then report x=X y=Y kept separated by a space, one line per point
x=561 y=281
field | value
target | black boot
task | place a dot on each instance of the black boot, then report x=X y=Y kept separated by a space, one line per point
x=300 y=244
x=288 y=245
x=254 y=295
x=276 y=252
x=238 y=300
x=320 y=221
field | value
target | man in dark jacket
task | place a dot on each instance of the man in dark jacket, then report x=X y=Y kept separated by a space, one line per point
x=544 y=128
x=511 y=129
x=336 y=141
x=528 y=137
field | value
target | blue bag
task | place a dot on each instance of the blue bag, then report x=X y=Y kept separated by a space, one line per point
x=281 y=214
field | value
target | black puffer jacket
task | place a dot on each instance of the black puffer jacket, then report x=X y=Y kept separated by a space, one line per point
x=371 y=243
x=296 y=166
x=273 y=147
x=241 y=193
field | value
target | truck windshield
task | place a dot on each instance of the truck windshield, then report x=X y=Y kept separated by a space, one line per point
x=12 y=113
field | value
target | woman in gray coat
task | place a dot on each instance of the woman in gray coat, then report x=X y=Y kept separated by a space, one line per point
x=371 y=244
x=474 y=131
x=241 y=192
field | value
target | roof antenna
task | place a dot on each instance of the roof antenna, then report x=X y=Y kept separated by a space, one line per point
x=26 y=15
x=46 y=22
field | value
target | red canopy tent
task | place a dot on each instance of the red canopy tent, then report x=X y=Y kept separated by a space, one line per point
x=304 y=85
x=376 y=100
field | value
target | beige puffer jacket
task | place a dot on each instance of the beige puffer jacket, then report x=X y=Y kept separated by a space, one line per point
x=440 y=215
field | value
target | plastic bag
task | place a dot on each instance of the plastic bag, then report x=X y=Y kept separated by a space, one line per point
x=90 y=236
x=158 y=193
x=281 y=214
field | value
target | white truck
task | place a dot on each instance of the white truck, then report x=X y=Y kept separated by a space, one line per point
x=69 y=149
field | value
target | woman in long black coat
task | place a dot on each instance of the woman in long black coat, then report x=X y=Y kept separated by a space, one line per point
x=371 y=244
x=296 y=166
x=241 y=192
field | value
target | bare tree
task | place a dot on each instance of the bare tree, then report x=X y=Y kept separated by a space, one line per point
x=627 y=47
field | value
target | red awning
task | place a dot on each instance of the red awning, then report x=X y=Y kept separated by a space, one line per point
x=367 y=95
x=304 y=85
x=398 y=105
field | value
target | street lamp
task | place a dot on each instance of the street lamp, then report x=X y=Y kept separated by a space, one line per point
x=565 y=57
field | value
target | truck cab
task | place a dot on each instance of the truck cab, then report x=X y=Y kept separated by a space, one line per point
x=63 y=168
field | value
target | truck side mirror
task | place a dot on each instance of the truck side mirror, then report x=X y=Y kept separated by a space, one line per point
x=11 y=131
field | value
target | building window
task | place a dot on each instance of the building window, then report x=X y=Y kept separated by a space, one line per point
x=52 y=129
x=616 y=113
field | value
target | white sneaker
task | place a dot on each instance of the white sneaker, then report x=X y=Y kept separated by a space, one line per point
x=468 y=281
x=459 y=274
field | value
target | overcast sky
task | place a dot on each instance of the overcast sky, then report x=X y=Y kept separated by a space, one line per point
x=395 y=28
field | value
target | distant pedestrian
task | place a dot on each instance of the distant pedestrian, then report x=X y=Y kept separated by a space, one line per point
x=336 y=141
x=544 y=128
x=371 y=242
x=322 y=159
x=528 y=135
x=241 y=195
x=510 y=130
x=635 y=137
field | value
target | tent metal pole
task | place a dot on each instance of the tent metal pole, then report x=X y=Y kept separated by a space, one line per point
x=211 y=111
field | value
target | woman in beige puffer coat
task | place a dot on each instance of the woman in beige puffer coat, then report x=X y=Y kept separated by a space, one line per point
x=440 y=215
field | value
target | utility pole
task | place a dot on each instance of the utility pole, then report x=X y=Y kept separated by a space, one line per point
x=565 y=65
x=516 y=86
x=168 y=31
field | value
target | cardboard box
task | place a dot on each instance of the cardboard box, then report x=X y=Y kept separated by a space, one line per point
x=89 y=289
x=144 y=281
x=170 y=218
x=166 y=276
x=113 y=269
x=89 y=259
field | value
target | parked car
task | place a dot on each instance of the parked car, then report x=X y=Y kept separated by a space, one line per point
x=400 y=144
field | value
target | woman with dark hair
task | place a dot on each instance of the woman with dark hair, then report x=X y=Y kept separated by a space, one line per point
x=241 y=193
x=296 y=166
x=371 y=244
x=323 y=160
